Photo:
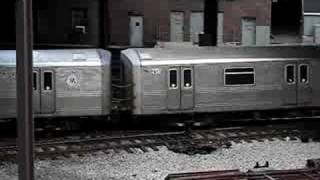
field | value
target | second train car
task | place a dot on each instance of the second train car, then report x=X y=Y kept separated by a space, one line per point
x=201 y=80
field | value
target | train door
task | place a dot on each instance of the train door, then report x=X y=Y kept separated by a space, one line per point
x=48 y=103
x=290 y=84
x=36 y=90
x=173 y=97
x=187 y=90
x=180 y=88
x=304 y=87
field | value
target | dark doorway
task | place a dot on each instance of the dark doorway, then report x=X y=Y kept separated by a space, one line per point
x=286 y=17
x=7 y=19
x=69 y=22
x=211 y=20
x=58 y=24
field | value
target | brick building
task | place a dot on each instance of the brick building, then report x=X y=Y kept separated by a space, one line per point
x=101 y=23
x=237 y=13
x=155 y=19
x=58 y=23
x=173 y=20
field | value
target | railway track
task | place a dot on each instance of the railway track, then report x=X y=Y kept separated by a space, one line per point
x=301 y=174
x=189 y=142
x=311 y=172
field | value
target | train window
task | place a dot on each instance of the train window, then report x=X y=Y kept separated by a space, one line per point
x=290 y=73
x=304 y=73
x=34 y=81
x=173 y=79
x=239 y=76
x=47 y=76
x=239 y=70
x=187 y=78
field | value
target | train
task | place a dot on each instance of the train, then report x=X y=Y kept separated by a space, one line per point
x=171 y=82
x=66 y=83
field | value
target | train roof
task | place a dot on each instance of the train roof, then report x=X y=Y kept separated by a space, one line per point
x=67 y=57
x=195 y=55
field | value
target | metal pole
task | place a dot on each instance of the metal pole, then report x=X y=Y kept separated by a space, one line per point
x=24 y=46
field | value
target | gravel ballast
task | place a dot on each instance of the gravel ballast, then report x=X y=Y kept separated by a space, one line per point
x=158 y=164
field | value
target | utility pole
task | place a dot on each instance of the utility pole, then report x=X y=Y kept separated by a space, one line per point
x=24 y=47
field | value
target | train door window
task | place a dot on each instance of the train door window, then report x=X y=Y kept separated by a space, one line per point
x=173 y=79
x=239 y=76
x=304 y=73
x=290 y=73
x=187 y=78
x=47 y=76
x=35 y=81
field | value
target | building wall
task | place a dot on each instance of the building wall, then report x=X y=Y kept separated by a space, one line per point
x=309 y=24
x=311 y=16
x=235 y=10
x=7 y=19
x=311 y=6
x=156 y=17
x=54 y=21
x=187 y=7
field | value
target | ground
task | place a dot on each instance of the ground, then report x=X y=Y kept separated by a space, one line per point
x=158 y=164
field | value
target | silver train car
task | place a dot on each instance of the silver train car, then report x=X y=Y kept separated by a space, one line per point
x=66 y=83
x=208 y=79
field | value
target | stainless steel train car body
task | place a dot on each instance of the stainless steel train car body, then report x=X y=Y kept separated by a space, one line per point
x=65 y=82
x=169 y=81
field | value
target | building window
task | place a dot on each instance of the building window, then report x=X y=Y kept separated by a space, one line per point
x=290 y=73
x=173 y=79
x=239 y=76
x=304 y=73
